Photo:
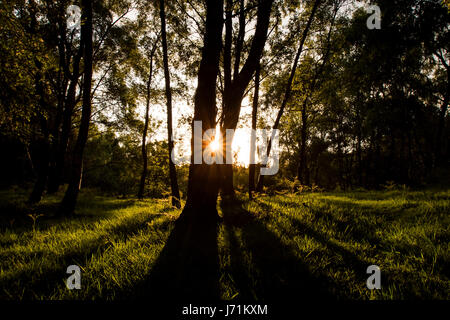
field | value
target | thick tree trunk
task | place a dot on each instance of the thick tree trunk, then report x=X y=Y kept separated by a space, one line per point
x=53 y=186
x=42 y=170
x=287 y=93
x=172 y=169
x=252 y=166
x=204 y=179
x=41 y=182
x=144 y=133
x=70 y=198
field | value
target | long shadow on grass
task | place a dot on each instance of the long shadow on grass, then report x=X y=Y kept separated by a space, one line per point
x=360 y=229
x=187 y=267
x=351 y=260
x=275 y=273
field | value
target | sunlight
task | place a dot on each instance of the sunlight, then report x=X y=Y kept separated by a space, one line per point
x=240 y=146
x=215 y=145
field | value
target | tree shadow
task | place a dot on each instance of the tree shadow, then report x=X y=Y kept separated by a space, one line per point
x=239 y=273
x=363 y=230
x=323 y=239
x=351 y=260
x=275 y=273
x=187 y=267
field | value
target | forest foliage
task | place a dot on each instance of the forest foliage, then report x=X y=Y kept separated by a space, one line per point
x=366 y=108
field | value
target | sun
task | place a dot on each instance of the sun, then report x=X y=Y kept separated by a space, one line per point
x=240 y=146
x=214 y=145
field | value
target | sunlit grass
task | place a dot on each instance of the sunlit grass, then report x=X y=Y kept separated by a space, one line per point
x=321 y=242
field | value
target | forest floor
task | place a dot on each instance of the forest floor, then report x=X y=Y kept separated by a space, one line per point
x=319 y=244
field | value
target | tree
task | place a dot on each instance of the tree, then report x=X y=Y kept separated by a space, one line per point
x=310 y=88
x=203 y=182
x=65 y=90
x=146 y=120
x=235 y=87
x=172 y=169
x=66 y=51
x=45 y=103
x=289 y=84
x=252 y=166
x=70 y=197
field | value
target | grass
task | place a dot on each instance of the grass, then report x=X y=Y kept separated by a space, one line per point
x=316 y=245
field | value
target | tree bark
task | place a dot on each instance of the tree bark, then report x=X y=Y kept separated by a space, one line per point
x=70 y=198
x=204 y=179
x=42 y=172
x=251 y=166
x=172 y=169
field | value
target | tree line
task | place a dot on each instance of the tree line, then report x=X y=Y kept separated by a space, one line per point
x=355 y=107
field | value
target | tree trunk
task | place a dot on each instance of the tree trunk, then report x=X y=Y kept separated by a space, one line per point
x=63 y=80
x=53 y=186
x=69 y=104
x=234 y=90
x=39 y=186
x=172 y=169
x=251 y=166
x=359 y=157
x=204 y=179
x=70 y=198
x=42 y=170
x=301 y=171
x=144 y=134
x=188 y=267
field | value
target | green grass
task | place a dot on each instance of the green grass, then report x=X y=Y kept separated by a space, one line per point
x=316 y=243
